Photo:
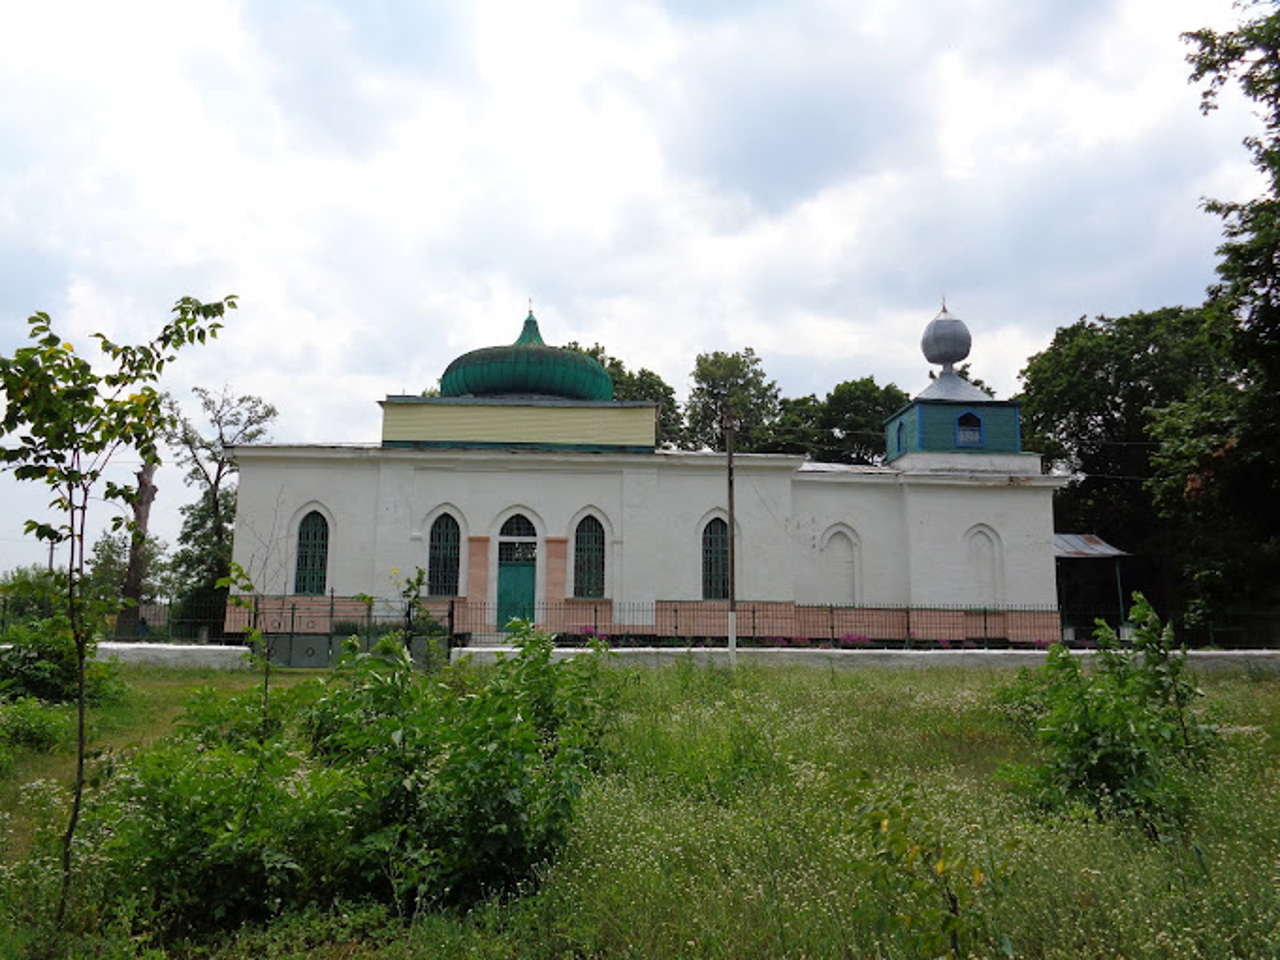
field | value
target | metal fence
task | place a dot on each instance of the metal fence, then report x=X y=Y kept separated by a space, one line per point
x=673 y=623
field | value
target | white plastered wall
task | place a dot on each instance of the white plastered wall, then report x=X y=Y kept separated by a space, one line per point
x=907 y=530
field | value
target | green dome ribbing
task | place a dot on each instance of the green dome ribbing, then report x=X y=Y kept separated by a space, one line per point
x=527 y=367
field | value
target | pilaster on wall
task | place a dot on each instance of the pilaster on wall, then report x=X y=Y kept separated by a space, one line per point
x=557 y=568
x=478 y=569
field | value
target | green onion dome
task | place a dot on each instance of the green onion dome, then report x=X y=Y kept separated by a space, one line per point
x=527 y=367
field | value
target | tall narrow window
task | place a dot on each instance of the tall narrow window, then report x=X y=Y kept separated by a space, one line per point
x=588 y=559
x=313 y=554
x=902 y=437
x=968 y=430
x=443 y=554
x=715 y=560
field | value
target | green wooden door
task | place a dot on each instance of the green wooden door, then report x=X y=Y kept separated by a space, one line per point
x=516 y=585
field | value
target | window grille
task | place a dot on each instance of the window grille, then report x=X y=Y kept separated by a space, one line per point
x=444 y=550
x=588 y=559
x=518 y=525
x=715 y=560
x=969 y=430
x=517 y=551
x=313 y=554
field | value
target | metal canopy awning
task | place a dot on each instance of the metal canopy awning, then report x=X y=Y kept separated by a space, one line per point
x=1084 y=546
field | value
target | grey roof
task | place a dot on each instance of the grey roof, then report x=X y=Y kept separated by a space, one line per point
x=1083 y=545
x=951 y=386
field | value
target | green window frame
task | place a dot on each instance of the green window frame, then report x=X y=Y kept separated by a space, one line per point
x=444 y=556
x=313 y=555
x=588 y=558
x=715 y=560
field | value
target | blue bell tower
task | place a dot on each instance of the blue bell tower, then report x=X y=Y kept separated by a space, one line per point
x=952 y=415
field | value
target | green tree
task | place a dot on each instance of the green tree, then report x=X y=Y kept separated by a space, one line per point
x=798 y=428
x=109 y=566
x=853 y=420
x=64 y=422
x=1220 y=463
x=1090 y=403
x=204 y=542
x=643 y=385
x=730 y=384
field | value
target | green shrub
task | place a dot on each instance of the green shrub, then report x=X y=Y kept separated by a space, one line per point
x=378 y=782
x=38 y=659
x=1121 y=735
x=31 y=724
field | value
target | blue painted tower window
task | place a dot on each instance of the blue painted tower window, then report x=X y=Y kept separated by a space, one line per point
x=901 y=439
x=313 y=554
x=968 y=430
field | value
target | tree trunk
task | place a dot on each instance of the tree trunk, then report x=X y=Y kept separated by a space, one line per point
x=130 y=622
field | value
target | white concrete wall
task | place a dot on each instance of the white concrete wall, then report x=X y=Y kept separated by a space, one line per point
x=906 y=531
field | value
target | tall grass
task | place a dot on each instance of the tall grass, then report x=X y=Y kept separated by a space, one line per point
x=816 y=813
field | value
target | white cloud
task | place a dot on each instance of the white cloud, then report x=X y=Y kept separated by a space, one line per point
x=385 y=186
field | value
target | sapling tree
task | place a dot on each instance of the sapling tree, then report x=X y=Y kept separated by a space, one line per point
x=64 y=421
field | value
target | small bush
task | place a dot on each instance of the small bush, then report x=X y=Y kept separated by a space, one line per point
x=38 y=659
x=30 y=724
x=1118 y=737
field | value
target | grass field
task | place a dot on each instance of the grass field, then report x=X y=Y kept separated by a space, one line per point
x=806 y=812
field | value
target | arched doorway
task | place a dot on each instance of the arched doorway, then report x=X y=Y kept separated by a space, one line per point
x=517 y=569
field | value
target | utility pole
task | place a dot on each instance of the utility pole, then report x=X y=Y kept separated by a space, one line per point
x=730 y=429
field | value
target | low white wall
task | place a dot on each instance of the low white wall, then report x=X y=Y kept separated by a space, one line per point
x=176 y=655
x=233 y=658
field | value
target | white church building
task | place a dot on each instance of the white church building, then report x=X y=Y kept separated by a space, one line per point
x=525 y=490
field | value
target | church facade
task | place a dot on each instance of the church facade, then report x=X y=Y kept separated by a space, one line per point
x=525 y=490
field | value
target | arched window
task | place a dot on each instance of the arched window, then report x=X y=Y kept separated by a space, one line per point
x=588 y=559
x=444 y=548
x=902 y=437
x=715 y=560
x=313 y=554
x=968 y=430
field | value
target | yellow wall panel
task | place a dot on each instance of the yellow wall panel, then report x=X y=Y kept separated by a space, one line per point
x=595 y=425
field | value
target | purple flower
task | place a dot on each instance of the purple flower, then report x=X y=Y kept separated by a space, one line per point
x=855 y=640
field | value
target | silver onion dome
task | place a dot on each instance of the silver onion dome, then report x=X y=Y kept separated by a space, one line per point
x=946 y=340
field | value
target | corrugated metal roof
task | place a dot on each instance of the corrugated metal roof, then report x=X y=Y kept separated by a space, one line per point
x=1085 y=545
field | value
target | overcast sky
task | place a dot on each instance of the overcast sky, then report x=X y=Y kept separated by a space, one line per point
x=385 y=185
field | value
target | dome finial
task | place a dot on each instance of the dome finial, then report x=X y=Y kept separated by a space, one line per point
x=530 y=334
